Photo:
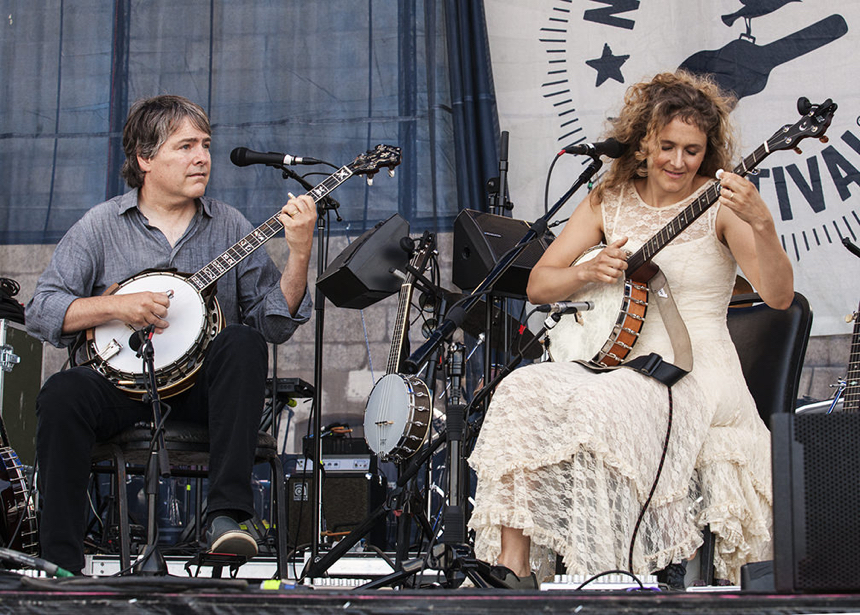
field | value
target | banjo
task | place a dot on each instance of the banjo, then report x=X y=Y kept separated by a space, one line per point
x=398 y=411
x=195 y=317
x=18 y=525
x=606 y=335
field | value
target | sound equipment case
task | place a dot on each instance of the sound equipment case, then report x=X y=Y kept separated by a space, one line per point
x=20 y=380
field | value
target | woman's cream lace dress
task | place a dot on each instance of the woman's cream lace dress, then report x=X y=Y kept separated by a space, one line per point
x=569 y=455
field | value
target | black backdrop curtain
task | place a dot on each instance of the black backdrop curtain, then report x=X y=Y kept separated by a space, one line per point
x=473 y=102
x=322 y=79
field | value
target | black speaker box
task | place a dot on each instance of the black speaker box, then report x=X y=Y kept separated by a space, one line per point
x=360 y=275
x=480 y=240
x=816 y=502
x=757 y=577
x=347 y=500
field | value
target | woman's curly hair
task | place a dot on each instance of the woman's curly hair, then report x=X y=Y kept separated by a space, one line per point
x=650 y=106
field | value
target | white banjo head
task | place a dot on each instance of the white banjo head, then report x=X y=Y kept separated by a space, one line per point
x=397 y=416
x=387 y=414
x=186 y=315
x=582 y=335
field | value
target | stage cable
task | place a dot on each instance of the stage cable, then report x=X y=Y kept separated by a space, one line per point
x=654 y=484
x=608 y=572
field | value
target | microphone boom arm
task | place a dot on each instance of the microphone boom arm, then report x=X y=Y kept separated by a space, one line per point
x=456 y=315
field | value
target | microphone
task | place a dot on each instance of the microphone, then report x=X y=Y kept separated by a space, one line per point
x=609 y=148
x=566 y=307
x=242 y=157
x=135 y=340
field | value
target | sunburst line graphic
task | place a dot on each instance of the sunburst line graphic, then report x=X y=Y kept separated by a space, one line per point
x=849 y=231
x=555 y=36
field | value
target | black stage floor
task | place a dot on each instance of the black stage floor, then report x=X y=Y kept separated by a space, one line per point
x=184 y=596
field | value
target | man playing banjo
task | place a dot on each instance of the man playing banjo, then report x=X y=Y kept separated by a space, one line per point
x=164 y=223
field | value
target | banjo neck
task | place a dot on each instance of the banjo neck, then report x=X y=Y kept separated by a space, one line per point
x=401 y=326
x=232 y=256
x=640 y=259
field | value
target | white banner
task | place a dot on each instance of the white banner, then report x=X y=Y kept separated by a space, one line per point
x=561 y=68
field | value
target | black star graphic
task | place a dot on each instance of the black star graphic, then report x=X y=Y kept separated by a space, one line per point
x=608 y=66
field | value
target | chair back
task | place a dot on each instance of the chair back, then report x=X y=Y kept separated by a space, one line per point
x=771 y=345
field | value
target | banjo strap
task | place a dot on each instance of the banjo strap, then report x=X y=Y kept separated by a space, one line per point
x=653 y=365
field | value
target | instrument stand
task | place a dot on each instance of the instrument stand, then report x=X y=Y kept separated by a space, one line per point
x=151 y=562
x=403 y=500
x=453 y=555
x=317 y=568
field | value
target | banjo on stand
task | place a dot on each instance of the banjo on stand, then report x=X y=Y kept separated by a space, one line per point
x=195 y=317
x=583 y=336
x=398 y=411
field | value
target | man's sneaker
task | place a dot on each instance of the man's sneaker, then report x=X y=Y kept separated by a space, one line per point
x=224 y=535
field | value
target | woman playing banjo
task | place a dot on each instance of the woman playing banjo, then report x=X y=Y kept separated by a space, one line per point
x=566 y=456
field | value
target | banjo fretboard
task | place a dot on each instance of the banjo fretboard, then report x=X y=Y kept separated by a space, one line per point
x=691 y=213
x=231 y=257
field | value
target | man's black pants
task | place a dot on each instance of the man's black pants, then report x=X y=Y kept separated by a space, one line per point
x=78 y=407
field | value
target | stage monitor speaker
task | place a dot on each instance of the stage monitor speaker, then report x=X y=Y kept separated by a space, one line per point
x=816 y=502
x=347 y=500
x=360 y=275
x=480 y=240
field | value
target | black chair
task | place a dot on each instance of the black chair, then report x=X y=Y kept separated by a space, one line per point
x=187 y=446
x=771 y=345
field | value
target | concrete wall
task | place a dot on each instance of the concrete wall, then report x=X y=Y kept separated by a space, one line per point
x=356 y=342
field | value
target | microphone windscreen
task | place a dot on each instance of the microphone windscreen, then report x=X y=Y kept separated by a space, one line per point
x=237 y=156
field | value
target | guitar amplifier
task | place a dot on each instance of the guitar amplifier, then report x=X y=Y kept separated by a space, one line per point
x=20 y=381
x=350 y=492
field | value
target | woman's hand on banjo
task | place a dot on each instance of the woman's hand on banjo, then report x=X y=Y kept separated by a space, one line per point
x=609 y=264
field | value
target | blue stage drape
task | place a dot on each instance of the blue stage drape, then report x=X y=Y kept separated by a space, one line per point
x=323 y=79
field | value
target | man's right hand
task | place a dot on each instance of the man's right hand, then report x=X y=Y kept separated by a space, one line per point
x=137 y=310
x=143 y=309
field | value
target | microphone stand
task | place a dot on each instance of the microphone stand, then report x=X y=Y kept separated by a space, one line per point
x=325 y=204
x=457 y=314
x=152 y=562
x=499 y=204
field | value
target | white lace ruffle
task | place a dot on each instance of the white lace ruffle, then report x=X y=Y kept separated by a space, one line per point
x=569 y=456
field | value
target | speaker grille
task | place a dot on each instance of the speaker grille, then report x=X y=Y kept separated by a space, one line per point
x=347 y=500
x=831 y=499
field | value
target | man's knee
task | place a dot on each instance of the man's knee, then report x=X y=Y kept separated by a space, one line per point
x=55 y=400
x=241 y=341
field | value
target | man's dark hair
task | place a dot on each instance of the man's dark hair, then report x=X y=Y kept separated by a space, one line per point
x=150 y=123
